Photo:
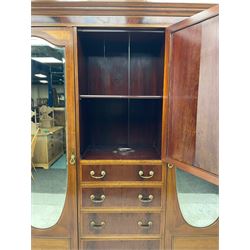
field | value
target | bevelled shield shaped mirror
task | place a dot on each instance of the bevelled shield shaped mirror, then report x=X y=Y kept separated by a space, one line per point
x=48 y=133
x=198 y=199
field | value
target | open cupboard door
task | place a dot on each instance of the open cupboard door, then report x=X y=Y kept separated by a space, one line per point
x=192 y=90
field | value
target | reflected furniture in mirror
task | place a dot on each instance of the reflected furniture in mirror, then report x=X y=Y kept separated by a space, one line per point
x=127 y=111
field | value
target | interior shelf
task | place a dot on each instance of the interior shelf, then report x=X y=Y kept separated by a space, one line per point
x=113 y=152
x=122 y=96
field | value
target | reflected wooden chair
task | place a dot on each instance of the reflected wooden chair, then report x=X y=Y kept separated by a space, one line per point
x=33 y=145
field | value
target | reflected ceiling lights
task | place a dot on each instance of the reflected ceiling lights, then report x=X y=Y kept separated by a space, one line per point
x=40 y=75
x=43 y=81
x=46 y=59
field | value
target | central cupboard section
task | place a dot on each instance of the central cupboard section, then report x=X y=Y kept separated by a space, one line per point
x=120 y=75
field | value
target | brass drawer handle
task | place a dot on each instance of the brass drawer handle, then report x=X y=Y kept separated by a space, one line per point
x=97 y=200
x=92 y=174
x=145 y=199
x=141 y=174
x=148 y=225
x=97 y=226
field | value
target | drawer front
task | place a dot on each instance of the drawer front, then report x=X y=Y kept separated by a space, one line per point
x=121 y=197
x=120 y=245
x=51 y=154
x=119 y=223
x=121 y=173
x=51 y=145
x=59 y=133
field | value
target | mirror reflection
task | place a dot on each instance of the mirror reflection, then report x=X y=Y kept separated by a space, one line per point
x=198 y=199
x=48 y=137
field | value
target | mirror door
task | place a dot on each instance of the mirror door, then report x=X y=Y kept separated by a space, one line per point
x=53 y=146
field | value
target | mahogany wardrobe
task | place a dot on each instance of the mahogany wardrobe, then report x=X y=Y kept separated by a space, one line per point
x=133 y=88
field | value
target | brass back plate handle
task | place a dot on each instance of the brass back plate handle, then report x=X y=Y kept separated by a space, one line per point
x=94 y=225
x=141 y=174
x=94 y=199
x=145 y=199
x=92 y=174
x=146 y=226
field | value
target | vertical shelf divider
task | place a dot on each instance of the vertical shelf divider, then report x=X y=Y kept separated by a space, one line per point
x=129 y=38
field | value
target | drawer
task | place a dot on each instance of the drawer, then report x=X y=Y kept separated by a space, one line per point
x=121 y=197
x=58 y=133
x=51 y=154
x=119 y=223
x=121 y=173
x=51 y=145
x=120 y=245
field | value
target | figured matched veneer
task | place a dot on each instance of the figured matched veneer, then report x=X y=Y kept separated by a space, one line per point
x=50 y=244
x=121 y=197
x=121 y=173
x=119 y=223
x=193 y=97
x=120 y=244
x=195 y=243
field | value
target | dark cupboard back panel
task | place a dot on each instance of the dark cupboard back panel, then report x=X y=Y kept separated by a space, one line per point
x=112 y=122
x=145 y=118
x=120 y=63
x=146 y=63
x=193 y=116
x=106 y=59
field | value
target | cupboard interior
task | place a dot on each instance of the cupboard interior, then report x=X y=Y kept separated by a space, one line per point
x=120 y=85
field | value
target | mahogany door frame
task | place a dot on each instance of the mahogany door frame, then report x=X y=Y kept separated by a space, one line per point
x=66 y=226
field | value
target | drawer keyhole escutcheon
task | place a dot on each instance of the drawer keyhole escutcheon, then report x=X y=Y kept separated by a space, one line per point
x=141 y=174
x=94 y=199
x=147 y=225
x=97 y=226
x=92 y=174
x=145 y=199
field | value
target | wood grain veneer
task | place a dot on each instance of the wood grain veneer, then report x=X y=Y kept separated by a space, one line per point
x=195 y=243
x=50 y=244
x=193 y=94
x=120 y=244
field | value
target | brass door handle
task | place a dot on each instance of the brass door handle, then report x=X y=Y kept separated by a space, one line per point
x=97 y=200
x=97 y=226
x=72 y=160
x=141 y=174
x=92 y=174
x=145 y=199
x=146 y=226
